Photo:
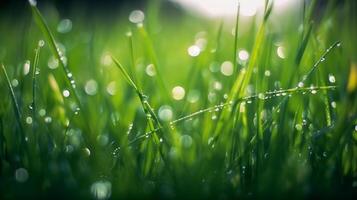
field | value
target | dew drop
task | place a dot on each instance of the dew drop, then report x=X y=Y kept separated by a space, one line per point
x=26 y=67
x=300 y=84
x=48 y=119
x=66 y=93
x=86 y=152
x=267 y=73
x=41 y=43
x=261 y=96
x=331 y=78
x=333 y=104
x=21 y=175
x=29 y=120
x=14 y=82
x=280 y=51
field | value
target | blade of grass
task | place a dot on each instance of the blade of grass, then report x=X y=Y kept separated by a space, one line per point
x=234 y=61
x=150 y=114
x=149 y=47
x=318 y=62
x=16 y=107
x=41 y=23
x=267 y=95
x=34 y=85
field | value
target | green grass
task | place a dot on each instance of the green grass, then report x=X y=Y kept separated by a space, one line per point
x=95 y=117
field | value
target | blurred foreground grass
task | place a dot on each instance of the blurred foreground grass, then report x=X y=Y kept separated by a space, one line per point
x=186 y=110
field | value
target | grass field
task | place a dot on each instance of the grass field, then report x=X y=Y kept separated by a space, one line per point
x=174 y=106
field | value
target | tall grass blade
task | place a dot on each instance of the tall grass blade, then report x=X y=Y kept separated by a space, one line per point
x=16 y=107
x=41 y=23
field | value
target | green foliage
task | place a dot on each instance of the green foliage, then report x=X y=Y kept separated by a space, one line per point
x=162 y=123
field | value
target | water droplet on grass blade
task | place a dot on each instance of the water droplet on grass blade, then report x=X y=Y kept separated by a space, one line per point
x=66 y=93
x=26 y=67
x=261 y=96
x=48 y=119
x=86 y=152
x=331 y=78
x=267 y=73
x=29 y=120
x=41 y=43
x=333 y=104
x=280 y=51
x=300 y=84
x=14 y=82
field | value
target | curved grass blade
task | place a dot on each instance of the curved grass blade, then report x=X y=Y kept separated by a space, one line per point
x=15 y=105
x=149 y=47
x=267 y=95
x=41 y=23
x=318 y=62
x=151 y=116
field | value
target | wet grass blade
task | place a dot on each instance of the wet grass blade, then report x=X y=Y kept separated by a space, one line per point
x=149 y=47
x=267 y=95
x=15 y=105
x=34 y=85
x=319 y=61
x=234 y=61
x=41 y=23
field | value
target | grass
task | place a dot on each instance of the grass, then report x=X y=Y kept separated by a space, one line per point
x=98 y=116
